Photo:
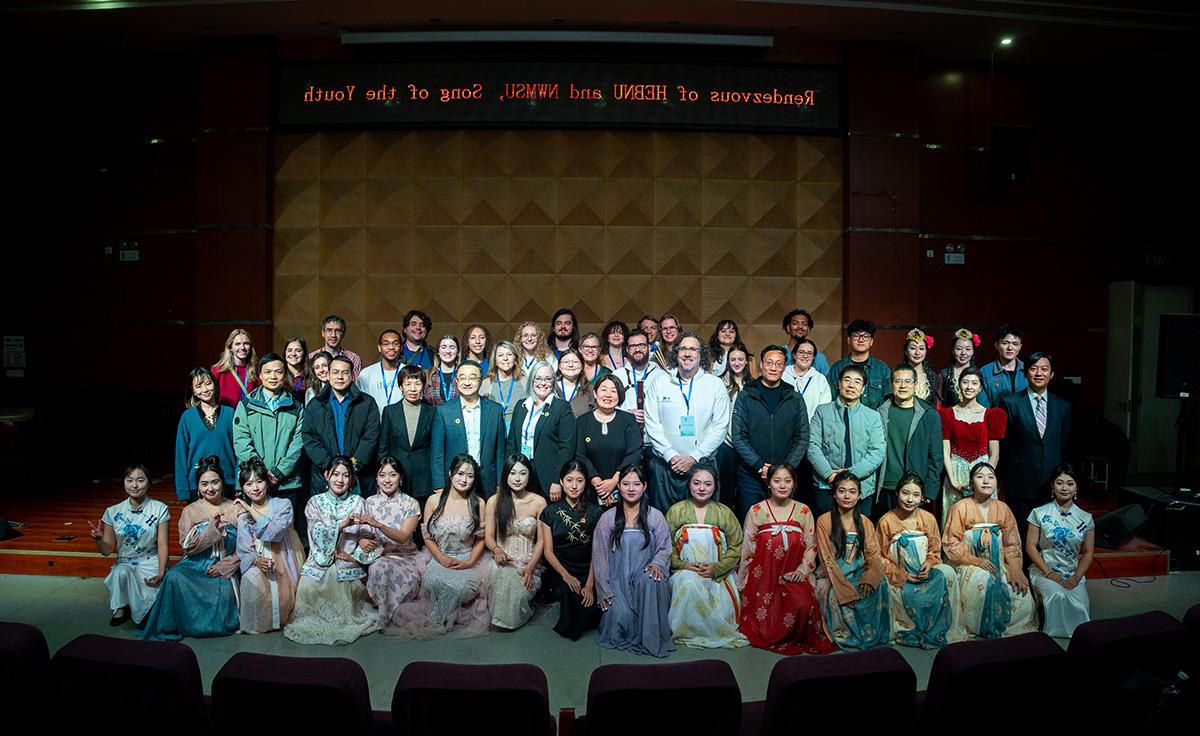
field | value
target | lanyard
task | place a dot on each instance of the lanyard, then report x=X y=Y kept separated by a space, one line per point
x=687 y=398
x=500 y=391
x=387 y=390
x=241 y=384
x=562 y=387
x=633 y=377
x=806 y=385
x=446 y=385
x=537 y=408
x=613 y=362
x=529 y=363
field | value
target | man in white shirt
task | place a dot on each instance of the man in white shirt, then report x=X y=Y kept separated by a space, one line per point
x=687 y=417
x=636 y=375
x=380 y=380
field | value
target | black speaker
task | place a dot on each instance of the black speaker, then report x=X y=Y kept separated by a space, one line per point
x=1178 y=356
x=1181 y=533
x=1008 y=163
x=1116 y=527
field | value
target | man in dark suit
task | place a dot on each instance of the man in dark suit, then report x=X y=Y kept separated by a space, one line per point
x=406 y=433
x=469 y=424
x=1039 y=426
x=912 y=431
x=341 y=421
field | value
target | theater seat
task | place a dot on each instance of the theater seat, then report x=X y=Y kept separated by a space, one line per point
x=968 y=677
x=24 y=667
x=1191 y=619
x=303 y=694
x=646 y=698
x=1128 y=661
x=798 y=684
x=435 y=699
x=109 y=683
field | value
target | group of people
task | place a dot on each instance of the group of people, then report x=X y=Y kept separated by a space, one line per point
x=655 y=485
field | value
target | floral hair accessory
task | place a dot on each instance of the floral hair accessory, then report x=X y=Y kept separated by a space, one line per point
x=965 y=334
x=916 y=335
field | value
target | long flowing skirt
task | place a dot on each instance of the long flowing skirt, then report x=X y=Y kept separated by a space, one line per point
x=636 y=620
x=704 y=612
x=191 y=603
x=863 y=624
x=988 y=607
x=1064 y=609
x=394 y=580
x=511 y=602
x=923 y=614
x=126 y=584
x=960 y=474
x=329 y=611
x=268 y=597
x=457 y=599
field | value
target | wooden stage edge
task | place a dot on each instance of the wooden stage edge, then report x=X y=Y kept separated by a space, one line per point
x=55 y=540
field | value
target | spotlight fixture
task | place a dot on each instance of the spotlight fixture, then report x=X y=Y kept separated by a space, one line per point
x=1006 y=41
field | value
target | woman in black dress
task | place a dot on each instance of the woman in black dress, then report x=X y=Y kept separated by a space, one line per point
x=607 y=439
x=567 y=526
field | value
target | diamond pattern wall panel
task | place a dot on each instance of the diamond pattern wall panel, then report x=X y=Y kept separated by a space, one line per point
x=502 y=226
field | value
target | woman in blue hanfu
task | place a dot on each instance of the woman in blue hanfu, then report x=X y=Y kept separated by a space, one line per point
x=983 y=544
x=924 y=591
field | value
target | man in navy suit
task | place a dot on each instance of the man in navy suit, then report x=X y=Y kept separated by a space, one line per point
x=1039 y=425
x=472 y=425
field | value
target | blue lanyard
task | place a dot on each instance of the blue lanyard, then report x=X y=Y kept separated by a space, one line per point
x=416 y=357
x=446 y=386
x=529 y=363
x=533 y=412
x=806 y=385
x=563 y=388
x=614 y=363
x=633 y=375
x=500 y=391
x=687 y=398
x=387 y=390
x=241 y=384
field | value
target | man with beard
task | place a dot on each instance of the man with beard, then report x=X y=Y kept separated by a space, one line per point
x=564 y=333
x=379 y=380
x=798 y=325
x=687 y=418
x=417 y=325
x=637 y=375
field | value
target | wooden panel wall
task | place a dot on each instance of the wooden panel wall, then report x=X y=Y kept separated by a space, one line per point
x=503 y=226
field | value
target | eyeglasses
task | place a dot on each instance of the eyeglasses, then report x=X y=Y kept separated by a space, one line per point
x=543 y=380
x=689 y=350
x=339 y=330
x=636 y=346
x=903 y=381
x=861 y=336
x=805 y=354
x=589 y=347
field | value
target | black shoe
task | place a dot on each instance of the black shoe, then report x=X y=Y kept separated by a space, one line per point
x=120 y=616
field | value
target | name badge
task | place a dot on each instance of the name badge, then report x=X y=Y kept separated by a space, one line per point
x=687 y=426
x=527 y=449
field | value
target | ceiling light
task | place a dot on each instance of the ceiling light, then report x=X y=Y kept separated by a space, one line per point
x=1006 y=41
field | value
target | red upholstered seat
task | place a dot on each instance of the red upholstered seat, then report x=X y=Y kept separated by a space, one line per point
x=24 y=667
x=324 y=693
x=629 y=698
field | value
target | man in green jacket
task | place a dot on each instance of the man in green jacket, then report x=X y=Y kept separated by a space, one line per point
x=912 y=432
x=266 y=425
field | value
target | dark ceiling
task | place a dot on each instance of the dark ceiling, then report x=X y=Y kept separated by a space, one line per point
x=1103 y=33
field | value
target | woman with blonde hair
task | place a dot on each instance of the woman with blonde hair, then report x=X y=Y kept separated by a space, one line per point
x=531 y=340
x=234 y=370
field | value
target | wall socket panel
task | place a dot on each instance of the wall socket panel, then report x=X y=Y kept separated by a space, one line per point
x=956 y=259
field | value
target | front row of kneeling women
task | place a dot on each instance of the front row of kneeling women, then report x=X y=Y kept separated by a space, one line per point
x=781 y=580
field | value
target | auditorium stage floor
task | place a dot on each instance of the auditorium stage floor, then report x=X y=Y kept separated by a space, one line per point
x=65 y=607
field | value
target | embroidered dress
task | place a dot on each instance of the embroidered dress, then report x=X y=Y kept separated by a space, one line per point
x=510 y=599
x=780 y=615
x=571 y=529
x=988 y=608
x=190 y=601
x=636 y=620
x=854 y=621
x=332 y=606
x=457 y=599
x=704 y=611
x=924 y=614
x=267 y=597
x=1062 y=533
x=394 y=578
x=136 y=532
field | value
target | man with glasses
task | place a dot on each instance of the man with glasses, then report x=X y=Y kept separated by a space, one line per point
x=912 y=431
x=687 y=417
x=333 y=331
x=1006 y=374
x=798 y=323
x=341 y=421
x=381 y=380
x=637 y=374
x=770 y=426
x=846 y=435
x=668 y=328
x=860 y=336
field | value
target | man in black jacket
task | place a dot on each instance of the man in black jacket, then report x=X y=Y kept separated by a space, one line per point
x=341 y=421
x=770 y=425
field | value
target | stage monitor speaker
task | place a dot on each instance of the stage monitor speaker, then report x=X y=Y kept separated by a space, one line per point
x=1117 y=527
x=1178 y=356
x=1181 y=533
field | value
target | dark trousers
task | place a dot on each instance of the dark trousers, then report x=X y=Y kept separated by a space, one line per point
x=299 y=499
x=1021 y=508
x=727 y=476
x=666 y=488
x=751 y=490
